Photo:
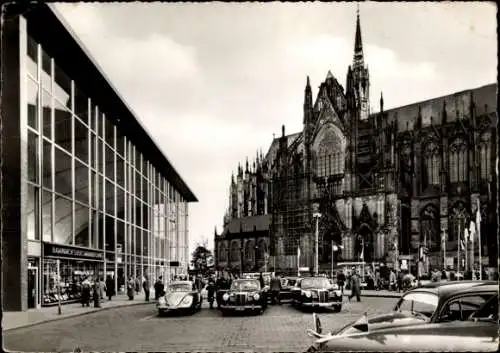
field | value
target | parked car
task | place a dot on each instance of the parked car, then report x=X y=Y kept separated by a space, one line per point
x=316 y=292
x=449 y=316
x=287 y=283
x=244 y=295
x=180 y=296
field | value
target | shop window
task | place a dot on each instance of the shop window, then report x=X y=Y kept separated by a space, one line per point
x=145 y=190
x=33 y=157
x=33 y=213
x=63 y=166
x=102 y=159
x=62 y=126
x=47 y=216
x=81 y=141
x=47 y=165
x=137 y=182
x=32 y=58
x=63 y=222
x=100 y=192
x=32 y=101
x=82 y=229
x=62 y=87
x=137 y=240
x=110 y=163
x=81 y=108
x=47 y=114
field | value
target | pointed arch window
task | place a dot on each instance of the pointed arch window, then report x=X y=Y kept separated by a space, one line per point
x=485 y=155
x=430 y=233
x=457 y=222
x=432 y=163
x=235 y=251
x=458 y=161
x=330 y=158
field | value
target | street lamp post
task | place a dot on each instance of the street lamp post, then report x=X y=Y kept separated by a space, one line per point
x=317 y=216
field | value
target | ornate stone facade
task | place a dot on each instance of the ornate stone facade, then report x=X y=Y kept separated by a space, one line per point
x=387 y=184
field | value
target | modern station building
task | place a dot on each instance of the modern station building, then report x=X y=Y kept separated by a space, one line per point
x=86 y=192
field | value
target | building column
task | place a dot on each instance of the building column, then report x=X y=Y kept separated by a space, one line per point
x=13 y=157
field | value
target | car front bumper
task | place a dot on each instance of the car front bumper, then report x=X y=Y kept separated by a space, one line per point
x=323 y=305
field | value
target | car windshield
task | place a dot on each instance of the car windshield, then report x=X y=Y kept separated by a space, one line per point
x=419 y=304
x=315 y=282
x=180 y=287
x=487 y=312
x=245 y=285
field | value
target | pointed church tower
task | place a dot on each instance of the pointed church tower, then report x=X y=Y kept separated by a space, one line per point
x=361 y=77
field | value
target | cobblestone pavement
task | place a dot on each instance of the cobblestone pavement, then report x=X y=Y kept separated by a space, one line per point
x=137 y=328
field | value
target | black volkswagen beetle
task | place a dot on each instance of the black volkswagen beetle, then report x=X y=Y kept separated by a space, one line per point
x=244 y=295
x=181 y=296
x=287 y=284
x=312 y=292
x=450 y=316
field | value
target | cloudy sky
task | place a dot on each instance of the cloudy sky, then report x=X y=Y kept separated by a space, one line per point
x=213 y=82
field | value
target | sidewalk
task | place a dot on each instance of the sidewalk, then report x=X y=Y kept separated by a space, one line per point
x=13 y=320
x=376 y=293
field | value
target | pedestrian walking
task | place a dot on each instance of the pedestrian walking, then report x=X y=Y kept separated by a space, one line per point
x=341 y=281
x=131 y=288
x=146 y=286
x=261 y=280
x=275 y=290
x=211 y=292
x=110 y=287
x=355 y=286
x=86 y=291
x=159 y=288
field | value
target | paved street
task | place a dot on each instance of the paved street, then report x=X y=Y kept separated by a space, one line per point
x=137 y=328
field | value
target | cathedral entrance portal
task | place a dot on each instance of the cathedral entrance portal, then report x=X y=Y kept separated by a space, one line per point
x=364 y=243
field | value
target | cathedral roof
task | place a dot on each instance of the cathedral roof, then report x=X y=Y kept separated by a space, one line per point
x=273 y=149
x=484 y=98
x=248 y=224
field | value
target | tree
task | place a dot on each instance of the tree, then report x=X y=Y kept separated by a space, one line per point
x=202 y=258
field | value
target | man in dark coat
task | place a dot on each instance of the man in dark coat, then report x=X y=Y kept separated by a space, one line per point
x=275 y=290
x=341 y=281
x=110 y=287
x=355 y=286
x=146 y=285
x=159 y=288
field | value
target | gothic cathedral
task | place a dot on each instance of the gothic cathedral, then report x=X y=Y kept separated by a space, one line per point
x=393 y=186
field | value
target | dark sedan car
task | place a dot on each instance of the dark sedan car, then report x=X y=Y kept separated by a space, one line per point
x=244 y=295
x=450 y=316
x=313 y=292
x=181 y=296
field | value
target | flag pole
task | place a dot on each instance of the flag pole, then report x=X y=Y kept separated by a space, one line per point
x=458 y=249
x=332 y=261
x=466 y=240
x=478 y=226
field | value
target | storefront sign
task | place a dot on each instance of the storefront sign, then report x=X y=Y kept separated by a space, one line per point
x=63 y=251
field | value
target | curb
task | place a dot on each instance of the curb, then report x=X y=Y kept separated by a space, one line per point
x=58 y=318
x=385 y=295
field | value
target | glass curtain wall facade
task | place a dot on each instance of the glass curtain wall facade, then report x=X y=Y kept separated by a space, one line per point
x=90 y=188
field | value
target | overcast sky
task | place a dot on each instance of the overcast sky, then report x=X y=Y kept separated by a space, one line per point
x=213 y=82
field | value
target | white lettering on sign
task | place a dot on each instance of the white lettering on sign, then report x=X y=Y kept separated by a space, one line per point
x=75 y=252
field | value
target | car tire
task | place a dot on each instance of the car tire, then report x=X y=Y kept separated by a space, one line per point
x=337 y=308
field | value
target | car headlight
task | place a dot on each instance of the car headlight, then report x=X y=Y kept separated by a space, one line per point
x=162 y=301
x=225 y=297
x=256 y=296
x=187 y=300
x=338 y=293
x=307 y=293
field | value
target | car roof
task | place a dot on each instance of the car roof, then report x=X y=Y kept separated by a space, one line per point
x=182 y=282
x=447 y=289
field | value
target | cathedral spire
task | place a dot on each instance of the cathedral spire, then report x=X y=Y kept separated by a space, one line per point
x=358 y=44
